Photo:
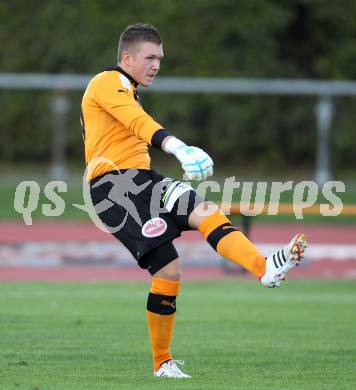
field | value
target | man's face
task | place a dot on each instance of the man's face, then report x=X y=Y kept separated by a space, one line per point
x=142 y=62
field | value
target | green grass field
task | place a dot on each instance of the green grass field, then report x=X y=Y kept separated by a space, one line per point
x=232 y=334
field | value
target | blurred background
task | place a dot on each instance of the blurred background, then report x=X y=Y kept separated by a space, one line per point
x=268 y=89
x=297 y=132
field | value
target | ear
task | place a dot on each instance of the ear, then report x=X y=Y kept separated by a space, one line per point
x=125 y=58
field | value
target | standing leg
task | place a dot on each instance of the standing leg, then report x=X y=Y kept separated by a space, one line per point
x=161 y=315
x=161 y=311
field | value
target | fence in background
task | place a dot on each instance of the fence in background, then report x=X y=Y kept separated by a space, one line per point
x=324 y=109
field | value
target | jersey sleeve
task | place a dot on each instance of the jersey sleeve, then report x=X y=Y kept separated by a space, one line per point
x=119 y=101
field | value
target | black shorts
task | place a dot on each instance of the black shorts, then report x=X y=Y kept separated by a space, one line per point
x=145 y=211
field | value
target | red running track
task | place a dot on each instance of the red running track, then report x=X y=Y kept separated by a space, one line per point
x=67 y=231
x=64 y=231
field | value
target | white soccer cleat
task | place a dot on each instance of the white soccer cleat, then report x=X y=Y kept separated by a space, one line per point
x=279 y=263
x=170 y=370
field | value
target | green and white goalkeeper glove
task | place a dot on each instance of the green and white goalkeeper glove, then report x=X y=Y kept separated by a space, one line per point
x=197 y=164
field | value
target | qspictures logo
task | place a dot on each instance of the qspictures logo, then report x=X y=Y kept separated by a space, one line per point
x=254 y=198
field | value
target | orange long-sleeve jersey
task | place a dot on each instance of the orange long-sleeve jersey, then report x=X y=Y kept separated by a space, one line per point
x=115 y=126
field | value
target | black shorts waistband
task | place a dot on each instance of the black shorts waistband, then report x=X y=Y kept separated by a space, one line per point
x=116 y=172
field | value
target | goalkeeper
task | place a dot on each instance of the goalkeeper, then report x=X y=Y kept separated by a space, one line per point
x=147 y=211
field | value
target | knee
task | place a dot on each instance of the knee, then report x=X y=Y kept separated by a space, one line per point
x=171 y=271
x=171 y=275
x=203 y=210
x=207 y=208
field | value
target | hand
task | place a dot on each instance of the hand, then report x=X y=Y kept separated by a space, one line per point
x=196 y=163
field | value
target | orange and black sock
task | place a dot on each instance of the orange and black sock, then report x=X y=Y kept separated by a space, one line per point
x=232 y=244
x=161 y=314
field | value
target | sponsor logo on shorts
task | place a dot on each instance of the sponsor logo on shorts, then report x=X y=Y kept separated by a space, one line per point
x=154 y=227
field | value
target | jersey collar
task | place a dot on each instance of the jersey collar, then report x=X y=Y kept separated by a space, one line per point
x=119 y=69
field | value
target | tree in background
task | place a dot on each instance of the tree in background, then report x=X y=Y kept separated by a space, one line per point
x=245 y=38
